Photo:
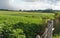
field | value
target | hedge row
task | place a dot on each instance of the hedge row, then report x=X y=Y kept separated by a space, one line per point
x=20 y=30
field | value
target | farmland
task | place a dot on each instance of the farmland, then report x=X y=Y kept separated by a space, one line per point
x=15 y=24
x=24 y=16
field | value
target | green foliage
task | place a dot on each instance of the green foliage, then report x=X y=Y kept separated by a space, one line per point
x=57 y=24
x=30 y=30
x=22 y=24
x=7 y=31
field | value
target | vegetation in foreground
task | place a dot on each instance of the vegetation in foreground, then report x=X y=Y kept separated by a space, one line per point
x=22 y=24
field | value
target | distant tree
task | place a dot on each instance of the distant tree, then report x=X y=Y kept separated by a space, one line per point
x=48 y=10
x=19 y=10
x=4 y=10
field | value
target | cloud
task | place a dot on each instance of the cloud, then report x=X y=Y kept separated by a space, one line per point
x=29 y=4
x=5 y=4
x=30 y=0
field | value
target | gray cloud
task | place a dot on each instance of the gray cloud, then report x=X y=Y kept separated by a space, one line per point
x=29 y=0
x=4 y=4
x=39 y=4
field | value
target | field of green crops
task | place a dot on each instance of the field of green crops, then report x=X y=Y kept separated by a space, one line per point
x=31 y=17
x=18 y=24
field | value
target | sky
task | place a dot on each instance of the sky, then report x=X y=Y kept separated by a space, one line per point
x=30 y=4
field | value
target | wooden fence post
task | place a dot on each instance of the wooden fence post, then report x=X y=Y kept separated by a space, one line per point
x=38 y=36
x=50 y=27
x=48 y=30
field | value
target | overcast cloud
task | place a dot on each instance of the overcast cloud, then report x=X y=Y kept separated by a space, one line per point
x=29 y=4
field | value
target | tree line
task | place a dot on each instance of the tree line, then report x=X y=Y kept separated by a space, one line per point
x=46 y=10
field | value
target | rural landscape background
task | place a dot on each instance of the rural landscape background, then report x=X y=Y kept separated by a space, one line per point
x=23 y=24
x=22 y=20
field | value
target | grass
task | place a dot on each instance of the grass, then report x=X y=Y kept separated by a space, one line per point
x=56 y=36
x=23 y=16
x=11 y=17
